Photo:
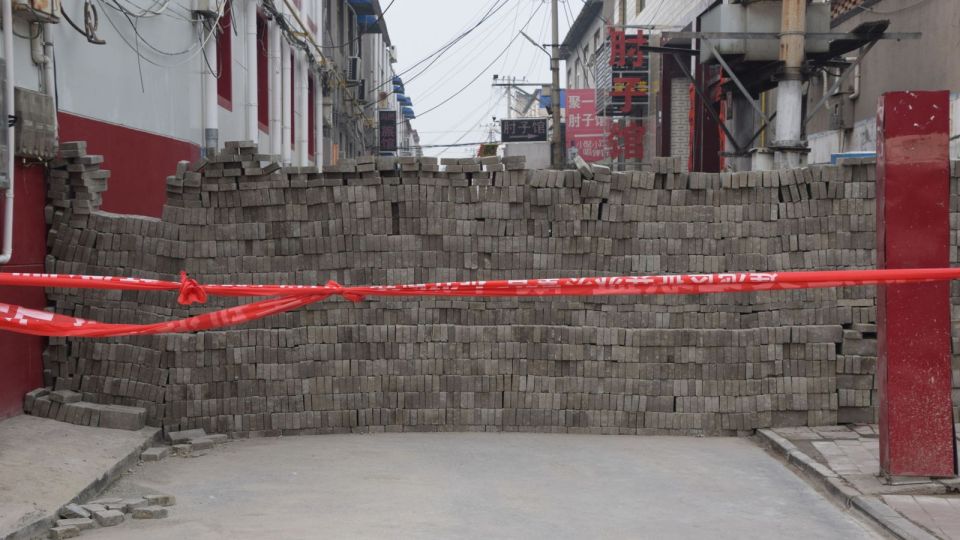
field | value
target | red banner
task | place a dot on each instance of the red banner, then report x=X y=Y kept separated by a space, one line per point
x=586 y=130
x=290 y=297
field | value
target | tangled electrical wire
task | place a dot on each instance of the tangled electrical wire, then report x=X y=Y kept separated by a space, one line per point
x=91 y=21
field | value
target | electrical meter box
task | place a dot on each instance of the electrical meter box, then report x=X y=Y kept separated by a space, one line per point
x=35 y=134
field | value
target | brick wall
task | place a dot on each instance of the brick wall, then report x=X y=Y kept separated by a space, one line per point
x=714 y=364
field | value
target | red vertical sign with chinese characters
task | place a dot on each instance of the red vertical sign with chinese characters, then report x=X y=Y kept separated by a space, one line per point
x=586 y=131
x=913 y=320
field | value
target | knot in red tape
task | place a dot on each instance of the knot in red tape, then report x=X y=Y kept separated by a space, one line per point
x=190 y=291
x=336 y=288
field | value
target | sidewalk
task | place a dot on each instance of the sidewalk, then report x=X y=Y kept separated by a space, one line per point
x=846 y=461
x=45 y=464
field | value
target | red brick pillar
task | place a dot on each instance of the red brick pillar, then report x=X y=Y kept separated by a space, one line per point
x=913 y=321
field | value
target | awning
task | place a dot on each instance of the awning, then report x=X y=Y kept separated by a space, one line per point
x=363 y=7
x=369 y=24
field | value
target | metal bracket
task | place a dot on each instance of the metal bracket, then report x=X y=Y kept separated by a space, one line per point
x=736 y=80
x=836 y=85
x=706 y=103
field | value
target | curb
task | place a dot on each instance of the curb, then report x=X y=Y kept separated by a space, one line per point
x=39 y=527
x=871 y=508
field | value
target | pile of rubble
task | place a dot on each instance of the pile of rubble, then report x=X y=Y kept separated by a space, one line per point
x=66 y=406
x=108 y=513
x=189 y=443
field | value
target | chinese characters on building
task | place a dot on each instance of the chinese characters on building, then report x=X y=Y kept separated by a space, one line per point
x=523 y=130
x=388 y=131
x=605 y=123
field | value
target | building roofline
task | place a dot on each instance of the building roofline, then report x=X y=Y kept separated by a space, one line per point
x=383 y=23
x=588 y=14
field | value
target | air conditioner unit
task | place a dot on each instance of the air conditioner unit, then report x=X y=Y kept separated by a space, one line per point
x=206 y=8
x=44 y=11
x=353 y=69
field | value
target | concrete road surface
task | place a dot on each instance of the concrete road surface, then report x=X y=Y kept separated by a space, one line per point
x=482 y=485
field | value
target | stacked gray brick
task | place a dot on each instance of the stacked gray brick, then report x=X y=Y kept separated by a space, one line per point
x=713 y=364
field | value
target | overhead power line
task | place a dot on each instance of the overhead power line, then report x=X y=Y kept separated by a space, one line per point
x=497 y=6
x=483 y=71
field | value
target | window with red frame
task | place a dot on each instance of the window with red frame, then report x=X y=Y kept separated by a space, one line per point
x=263 y=74
x=224 y=60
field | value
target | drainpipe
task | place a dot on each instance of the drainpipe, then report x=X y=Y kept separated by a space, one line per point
x=7 y=253
x=790 y=146
x=276 y=94
x=211 y=103
x=41 y=51
x=252 y=119
x=285 y=86
x=856 y=79
x=303 y=94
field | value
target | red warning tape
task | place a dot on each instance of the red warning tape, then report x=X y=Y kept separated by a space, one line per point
x=289 y=297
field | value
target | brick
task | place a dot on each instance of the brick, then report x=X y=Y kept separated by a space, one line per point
x=72 y=510
x=156 y=453
x=64 y=396
x=108 y=518
x=150 y=512
x=177 y=437
x=57 y=533
x=160 y=500
x=78 y=523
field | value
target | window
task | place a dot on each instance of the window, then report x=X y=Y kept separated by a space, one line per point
x=640 y=5
x=311 y=120
x=263 y=74
x=596 y=41
x=224 y=59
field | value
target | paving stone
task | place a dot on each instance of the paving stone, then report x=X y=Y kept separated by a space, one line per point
x=150 y=512
x=108 y=518
x=64 y=396
x=74 y=511
x=130 y=504
x=57 y=533
x=156 y=453
x=183 y=450
x=160 y=500
x=202 y=443
x=177 y=437
x=79 y=523
x=122 y=417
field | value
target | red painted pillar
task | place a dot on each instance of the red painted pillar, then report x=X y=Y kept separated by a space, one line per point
x=913 y=321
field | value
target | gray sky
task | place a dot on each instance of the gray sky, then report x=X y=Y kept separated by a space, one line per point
x=420 y=27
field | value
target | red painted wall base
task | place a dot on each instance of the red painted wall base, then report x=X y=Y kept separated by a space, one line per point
x=139 y=162
x=21 y=366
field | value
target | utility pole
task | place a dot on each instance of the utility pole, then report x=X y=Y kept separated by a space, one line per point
x=622 y=161
x=555 y=93
x=793 y=25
